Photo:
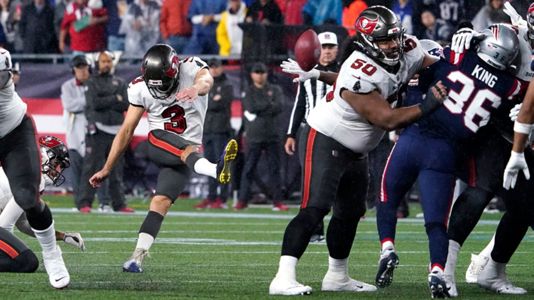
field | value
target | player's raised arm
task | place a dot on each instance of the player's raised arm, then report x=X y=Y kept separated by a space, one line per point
x=120 y=142
x=523 y=126
x=201 y=86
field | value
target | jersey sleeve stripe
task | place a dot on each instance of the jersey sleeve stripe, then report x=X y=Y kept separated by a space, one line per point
x=136 y=105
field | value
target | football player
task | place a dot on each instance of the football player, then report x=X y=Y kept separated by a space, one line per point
x=20 y=159
x=478 y=81
x=16 y=256
x=490 y=156
x=174 y=94
x=340 y=132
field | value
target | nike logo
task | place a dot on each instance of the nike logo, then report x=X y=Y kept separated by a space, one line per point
x=61 y=278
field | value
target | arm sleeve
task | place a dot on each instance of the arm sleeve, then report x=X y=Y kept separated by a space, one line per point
x=298 y=111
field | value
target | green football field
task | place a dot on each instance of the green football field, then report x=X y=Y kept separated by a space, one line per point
x=228 y=255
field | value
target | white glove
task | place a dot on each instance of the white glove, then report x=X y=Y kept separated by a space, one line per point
x=515 y=164
x=515 y=111
x=74 y=239
x=461 y=40
x=292 y=67
x=516 y=18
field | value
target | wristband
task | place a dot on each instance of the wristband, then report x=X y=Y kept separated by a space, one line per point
x=522 y=127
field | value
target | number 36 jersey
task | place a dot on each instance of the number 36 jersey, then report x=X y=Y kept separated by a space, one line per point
x=360 y=74
x=180 y=117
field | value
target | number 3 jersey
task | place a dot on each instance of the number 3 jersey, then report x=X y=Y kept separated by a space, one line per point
x=360 y=74
x=475 y=91
x=180 y=117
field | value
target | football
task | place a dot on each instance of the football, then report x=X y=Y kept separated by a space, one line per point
x=307 y=50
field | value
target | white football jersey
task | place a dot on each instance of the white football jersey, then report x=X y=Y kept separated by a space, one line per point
x=525 y=71
x=180 y=117
x=12 y=109
x=360 y=74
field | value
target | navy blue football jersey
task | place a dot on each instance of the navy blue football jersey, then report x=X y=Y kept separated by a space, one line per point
x=475 y=91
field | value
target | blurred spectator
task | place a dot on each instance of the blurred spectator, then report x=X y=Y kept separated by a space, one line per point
x=450 y=11
x=264 y=12
x=473 y=6
x=106 y=101
x=262 y=103
x=351 y=12
x=36 y=28
x=217 y=131
x=490 y=14
x=116 y=10
x=292 y=11
x=437 y=30
x=7 y=10
x=319 y=12
x=141 y=26
x=404 y=11
x=73 y=101
x=229 y=35
x=59 y=12
x=13 y=20
x=204 y=15
x=85 y=26
x=174 y=26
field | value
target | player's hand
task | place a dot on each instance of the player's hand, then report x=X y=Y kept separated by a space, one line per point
x=290 y=146
x=440 y=91
x=515 y=164
x=188 y=94
x=74 y=239
x=514 y=112
x=434 y=98
x=461 y=40
x=515 y=18
x=292 y=67
x=98 y=177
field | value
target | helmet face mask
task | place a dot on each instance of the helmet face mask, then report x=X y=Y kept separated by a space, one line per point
x=380 y=34
x=161 y=71
x=54 y=159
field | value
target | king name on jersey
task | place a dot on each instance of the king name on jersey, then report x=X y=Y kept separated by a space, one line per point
x=484 y=75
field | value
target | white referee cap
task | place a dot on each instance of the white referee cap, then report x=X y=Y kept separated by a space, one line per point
x=327 y=38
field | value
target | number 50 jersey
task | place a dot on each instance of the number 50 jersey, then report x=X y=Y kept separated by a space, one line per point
x=360 y=74
x=180 y=117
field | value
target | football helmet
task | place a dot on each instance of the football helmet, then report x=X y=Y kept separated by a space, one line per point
x=376 y=24
x=530 y=22
x=160 y=69
x=54 y=159
x=499 y=46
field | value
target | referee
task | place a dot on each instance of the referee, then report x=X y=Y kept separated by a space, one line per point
x=308 y=94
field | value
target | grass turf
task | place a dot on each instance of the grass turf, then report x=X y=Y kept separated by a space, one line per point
x=221 y=255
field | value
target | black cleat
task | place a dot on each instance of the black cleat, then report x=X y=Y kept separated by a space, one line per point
x=438 y=287
x=386 y=266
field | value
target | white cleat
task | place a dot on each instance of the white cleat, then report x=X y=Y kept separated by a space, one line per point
x=288 y=288
x=335 y=283
x=478 y=262
x=451 y=285
x=493 y=277
x=55 y=267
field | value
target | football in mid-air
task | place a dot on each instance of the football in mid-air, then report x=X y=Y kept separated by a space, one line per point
x=307 y=50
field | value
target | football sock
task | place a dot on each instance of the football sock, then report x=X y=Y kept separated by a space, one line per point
x=47 y=238
x=436 y=269
x=486 y=252
x=144 y=241
x=338 y=266
x=39 y=216
x=149 y=230
x=452 y=257
x=203 y=166
x=10 y=215
x=388 y=245
x=287 y=268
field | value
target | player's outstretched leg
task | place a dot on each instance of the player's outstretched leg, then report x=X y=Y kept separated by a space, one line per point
x=224 y=165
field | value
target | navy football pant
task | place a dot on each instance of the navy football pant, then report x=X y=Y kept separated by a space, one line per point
x=431 y=161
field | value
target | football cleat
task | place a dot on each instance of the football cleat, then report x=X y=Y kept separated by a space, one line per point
x=478 y=262
x=335 y=283
x=224 y=165
x=74 y=239
x=202 y=204
x=288 y=288
x=451 y=285
x=133 y=265
x=316 y=238
x=438 y=287
x=279 y=206
x=493 y=277
x=386 y=265
x=55 y=267
x=240 y=205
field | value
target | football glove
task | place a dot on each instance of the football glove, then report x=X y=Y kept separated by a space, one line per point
x=514 y=112
x=74 y=239
x=515 y=164
x=290 y=66
x=461 y=40
x=516 y=18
